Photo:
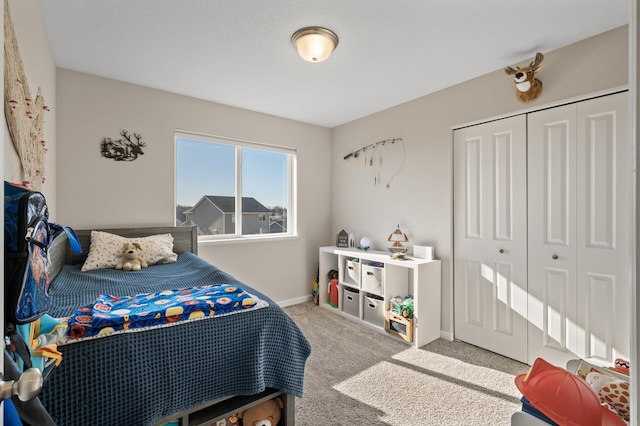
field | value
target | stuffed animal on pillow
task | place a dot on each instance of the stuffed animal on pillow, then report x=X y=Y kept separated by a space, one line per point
x=131 y=258
x=265 y=414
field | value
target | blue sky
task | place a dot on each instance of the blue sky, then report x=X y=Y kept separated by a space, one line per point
x=207 y=168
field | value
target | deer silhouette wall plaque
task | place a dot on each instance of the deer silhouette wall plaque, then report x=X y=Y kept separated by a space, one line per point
x=123 y=149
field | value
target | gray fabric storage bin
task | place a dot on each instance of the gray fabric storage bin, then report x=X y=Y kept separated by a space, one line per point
x=373 y=309
x=350 y=303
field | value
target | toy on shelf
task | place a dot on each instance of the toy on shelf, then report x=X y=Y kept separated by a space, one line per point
x=365 y=244
x=402 y=307
x=398 y=241
x=333 y=288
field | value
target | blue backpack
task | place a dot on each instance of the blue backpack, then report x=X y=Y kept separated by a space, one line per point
x=27 y=237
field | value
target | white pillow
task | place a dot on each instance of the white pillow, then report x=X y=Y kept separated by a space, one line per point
x=106 y=249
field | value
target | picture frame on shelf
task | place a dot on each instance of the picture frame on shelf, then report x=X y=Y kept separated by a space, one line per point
x=342 y=239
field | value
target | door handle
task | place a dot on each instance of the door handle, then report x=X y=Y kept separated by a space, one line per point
x=554 y=257
x=501 y=251
x=26 y=387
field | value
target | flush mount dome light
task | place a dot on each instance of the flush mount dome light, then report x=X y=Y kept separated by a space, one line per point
x=314 y=44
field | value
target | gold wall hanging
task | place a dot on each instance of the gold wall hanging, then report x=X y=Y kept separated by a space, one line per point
x=25 y=115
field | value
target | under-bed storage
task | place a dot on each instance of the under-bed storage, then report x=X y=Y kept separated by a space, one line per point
x=210 y=413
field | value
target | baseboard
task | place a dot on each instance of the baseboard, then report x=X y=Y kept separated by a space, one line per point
x=447 y=335
x=296 y=301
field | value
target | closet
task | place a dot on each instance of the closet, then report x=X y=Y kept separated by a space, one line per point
x=541 y=233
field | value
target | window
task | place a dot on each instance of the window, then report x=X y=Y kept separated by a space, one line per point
x=217 y=177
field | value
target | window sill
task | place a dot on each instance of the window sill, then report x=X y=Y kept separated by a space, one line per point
x=247 y=239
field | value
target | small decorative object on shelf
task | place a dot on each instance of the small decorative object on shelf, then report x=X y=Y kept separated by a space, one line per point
x=342 y=240
x=398 y=241
x=365 y=244
x=352 y=240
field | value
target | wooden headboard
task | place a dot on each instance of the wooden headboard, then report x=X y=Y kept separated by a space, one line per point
x=185 y=239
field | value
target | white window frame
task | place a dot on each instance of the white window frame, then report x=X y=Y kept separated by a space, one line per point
x=292 y=210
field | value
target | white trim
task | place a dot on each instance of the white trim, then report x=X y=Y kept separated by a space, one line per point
x=187 y=134
x=634 y=132
x=545 y=106
x=446 y=335
x=255 y=238
x=295 y=301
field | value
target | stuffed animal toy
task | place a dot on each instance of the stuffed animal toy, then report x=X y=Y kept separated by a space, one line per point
x=613 y=393
x=132 y=260
x=265 y=414
x=528 y=87
x=229 y=421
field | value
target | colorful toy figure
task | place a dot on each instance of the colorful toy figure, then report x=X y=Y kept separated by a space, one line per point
x=333 y=293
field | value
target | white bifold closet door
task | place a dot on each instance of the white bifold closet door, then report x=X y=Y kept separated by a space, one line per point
x=579 y=172
x=541 y=233
x=490 y=246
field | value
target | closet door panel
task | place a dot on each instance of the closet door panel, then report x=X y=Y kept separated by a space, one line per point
x=473 y=294
x=553 y=307
x=551 y=154
x=603 y=218
x=503 y=186
x=503 y=298
x=490 y=236
x=472 y=152
x=600 y=313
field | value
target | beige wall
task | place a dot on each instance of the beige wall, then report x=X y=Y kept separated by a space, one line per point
x=97 y=192
x=40 y=70
x=89 y=108
x=420 y=196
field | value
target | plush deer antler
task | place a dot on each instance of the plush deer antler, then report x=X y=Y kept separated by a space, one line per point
x=528 y=87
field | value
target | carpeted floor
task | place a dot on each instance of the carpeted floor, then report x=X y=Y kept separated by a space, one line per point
x=359 y=376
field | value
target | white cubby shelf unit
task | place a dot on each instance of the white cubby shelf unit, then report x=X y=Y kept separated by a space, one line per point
x=368 y=280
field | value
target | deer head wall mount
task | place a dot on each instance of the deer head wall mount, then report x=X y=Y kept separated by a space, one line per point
x=528 y=87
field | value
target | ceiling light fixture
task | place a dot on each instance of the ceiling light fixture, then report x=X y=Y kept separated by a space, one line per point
x=314 y=44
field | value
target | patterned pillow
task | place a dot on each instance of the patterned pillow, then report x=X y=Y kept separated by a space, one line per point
x=106 y=249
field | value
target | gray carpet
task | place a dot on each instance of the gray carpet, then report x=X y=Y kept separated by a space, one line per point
x=360 y=376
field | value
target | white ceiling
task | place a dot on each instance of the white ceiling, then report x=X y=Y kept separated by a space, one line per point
x=239 y=52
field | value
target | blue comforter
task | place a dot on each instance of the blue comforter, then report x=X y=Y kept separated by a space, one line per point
x=138 y=378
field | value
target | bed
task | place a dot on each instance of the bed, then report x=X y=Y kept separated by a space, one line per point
x=190 y=373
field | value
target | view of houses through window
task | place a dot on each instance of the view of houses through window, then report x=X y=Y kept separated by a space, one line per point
x=217 y=177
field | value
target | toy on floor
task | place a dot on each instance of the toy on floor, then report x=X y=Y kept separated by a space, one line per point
x=614 y=393
x=265 y=414
x=132 y=259
x=621 y=366
x=564 y=397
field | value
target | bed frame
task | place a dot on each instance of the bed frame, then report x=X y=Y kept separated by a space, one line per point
x=185 y=240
